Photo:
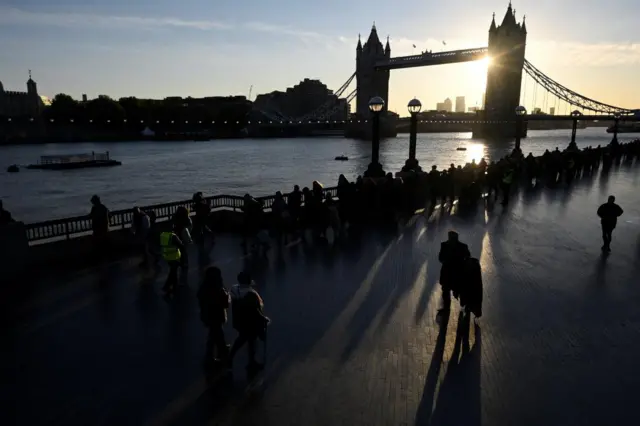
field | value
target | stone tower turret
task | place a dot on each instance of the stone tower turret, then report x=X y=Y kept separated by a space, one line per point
x=370 y=82
x=32 y=87
x=507 y=44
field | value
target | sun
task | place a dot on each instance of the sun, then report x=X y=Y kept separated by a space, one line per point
x=481 y=67
x=475 y=85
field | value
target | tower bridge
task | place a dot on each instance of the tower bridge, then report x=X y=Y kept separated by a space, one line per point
x=506 y=46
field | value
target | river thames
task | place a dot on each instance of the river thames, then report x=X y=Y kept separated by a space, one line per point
x=160 y=172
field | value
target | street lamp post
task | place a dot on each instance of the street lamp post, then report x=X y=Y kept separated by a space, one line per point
x=576 y=115
x=414 y=107
x=376 y=104
x=616 y=119
x=520 y=113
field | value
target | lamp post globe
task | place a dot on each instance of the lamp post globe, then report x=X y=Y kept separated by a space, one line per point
x=376 y=104
x=572 y=145
x=411 y=165
x=520 y=112
x=414 y=106
x=616 y=121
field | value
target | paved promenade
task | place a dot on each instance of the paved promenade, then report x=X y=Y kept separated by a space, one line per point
x=354 y=338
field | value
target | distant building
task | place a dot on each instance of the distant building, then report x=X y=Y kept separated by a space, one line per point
x=440 y=106
x=552 y=111
x=473 y=109
x=537 y=111
x=84 y=98
x=448 y=105
x=460 y=104
x=16 y=104
x=483 y=101
x=309 y=97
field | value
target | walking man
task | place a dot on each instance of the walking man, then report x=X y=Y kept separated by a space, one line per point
x=609 y=213
x=453 y=256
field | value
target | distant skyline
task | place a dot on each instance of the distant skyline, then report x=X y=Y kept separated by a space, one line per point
x=160 y=48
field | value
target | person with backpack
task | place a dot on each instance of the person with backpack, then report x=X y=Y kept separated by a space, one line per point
x=214 y=300
x=248 y=319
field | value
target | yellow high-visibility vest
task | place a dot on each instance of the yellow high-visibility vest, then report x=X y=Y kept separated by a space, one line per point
x=508 y=178
x=170 y=252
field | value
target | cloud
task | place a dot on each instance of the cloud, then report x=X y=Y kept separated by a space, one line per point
x=275 y=29
x=13 y=16
x=584 y=54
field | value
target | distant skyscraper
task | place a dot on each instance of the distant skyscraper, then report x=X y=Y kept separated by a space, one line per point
x=448 y=105
x=472 y=109
x=482 y=104
x=460 y=104
x=552 y=111
x=440 y=106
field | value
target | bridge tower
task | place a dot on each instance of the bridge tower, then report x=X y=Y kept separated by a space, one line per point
x=371 y=82
x=504 y=78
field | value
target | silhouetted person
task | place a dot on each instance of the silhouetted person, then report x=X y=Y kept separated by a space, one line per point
x=5 y=216
x=472 y=288
x=507 y=180
x=172 y=249
x=201 y=230
x=182 y=226
x=453 y=256
x=609 y=213
x=140 y=227
x=252 y=210
x=214 y=300
x=248 y=319
x=100 y=226
x=295 y=206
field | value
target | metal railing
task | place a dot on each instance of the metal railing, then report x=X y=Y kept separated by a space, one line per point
x=77 y=226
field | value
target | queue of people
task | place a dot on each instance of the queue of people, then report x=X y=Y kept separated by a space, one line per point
x=367 y=201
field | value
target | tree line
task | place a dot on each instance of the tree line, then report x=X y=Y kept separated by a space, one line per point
x=104 y=110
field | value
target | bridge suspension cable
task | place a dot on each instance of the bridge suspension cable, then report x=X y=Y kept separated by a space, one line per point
x=569 y=96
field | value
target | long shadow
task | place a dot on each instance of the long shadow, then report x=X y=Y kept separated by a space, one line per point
x=389 y=283
x=425 y=407
x=459 y=400
x=314 y=294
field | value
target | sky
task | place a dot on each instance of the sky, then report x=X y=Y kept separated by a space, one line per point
x=159 y=48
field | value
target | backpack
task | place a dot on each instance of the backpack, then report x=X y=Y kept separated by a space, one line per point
x=246 y=311
x=240 y=311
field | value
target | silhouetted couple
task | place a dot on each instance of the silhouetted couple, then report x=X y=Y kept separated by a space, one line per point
x=461 y=275
x=247 y=317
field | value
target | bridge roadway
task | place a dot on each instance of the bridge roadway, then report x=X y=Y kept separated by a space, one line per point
x=437 y=58
x=354 y=340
